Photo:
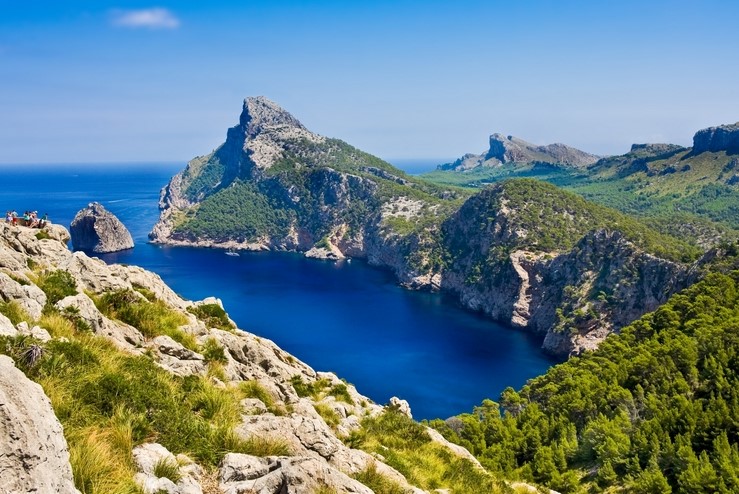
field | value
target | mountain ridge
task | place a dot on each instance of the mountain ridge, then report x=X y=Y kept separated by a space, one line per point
x=509 y=149
x=274 y=185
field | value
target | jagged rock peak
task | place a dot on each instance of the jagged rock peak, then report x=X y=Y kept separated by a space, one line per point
x=509 y=149
x=96 y=229
x=260 y=113
x=715 y=139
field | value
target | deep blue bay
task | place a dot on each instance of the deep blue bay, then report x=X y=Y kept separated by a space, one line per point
x=344 y=317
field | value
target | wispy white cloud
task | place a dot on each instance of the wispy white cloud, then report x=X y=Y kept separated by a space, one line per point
x=154 y=18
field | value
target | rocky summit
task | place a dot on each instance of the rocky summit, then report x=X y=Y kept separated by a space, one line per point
x=95 y=229
x=720 y=138
x=509 y=149
x=526 y=255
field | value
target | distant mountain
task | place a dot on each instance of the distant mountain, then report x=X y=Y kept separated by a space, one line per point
x=509 y=149
x=691 y=192
x=525 y=253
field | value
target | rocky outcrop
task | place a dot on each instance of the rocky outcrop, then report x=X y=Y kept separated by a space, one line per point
x=332 y=202
x=33 y=452
x=95 y=229
x=715 y=139
x=510 y=149
x=36 y=454
x=274 y=475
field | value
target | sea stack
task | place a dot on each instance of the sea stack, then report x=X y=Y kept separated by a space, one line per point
x=95 y=229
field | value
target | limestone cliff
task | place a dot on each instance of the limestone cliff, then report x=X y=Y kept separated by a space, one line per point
x=33 y=452
x=308 y=413
x=275 y=185
x=714 y=139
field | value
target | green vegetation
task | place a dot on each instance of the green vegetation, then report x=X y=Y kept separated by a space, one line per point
x=213 y=352
x=379 y=483
x=151 y=318
x=653 y=185
x=239 y=211
x=109 y=402
x=553 y=220
x=212 y=315
x=168 y=469
x=654 y=409
x=56 y=285
x=407 y=447
x=13 y=311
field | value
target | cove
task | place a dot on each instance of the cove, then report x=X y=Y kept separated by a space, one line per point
x=346 y=317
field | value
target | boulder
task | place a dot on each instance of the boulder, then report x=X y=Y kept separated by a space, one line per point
x=146 y=458
x=95 y=229
x=282 y=475
x=33 y=452
x=716 y=139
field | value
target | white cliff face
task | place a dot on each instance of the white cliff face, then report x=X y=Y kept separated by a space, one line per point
x=33 y=452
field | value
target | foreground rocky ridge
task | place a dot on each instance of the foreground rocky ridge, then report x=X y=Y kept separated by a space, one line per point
x=275 y=185
x=317 y=456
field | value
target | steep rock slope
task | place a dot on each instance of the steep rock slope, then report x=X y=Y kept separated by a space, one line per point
x=95 y=229
x=275 y=185
x=127 y=360
x=33 y=453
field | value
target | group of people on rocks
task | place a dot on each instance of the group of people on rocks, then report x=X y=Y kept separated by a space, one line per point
x=29 y=219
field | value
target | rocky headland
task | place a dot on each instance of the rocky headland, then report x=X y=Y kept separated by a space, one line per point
x=530 y=256
x=95 y=229
x=74 y=319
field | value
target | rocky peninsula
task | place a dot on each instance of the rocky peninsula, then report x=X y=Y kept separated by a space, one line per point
x=527 y=254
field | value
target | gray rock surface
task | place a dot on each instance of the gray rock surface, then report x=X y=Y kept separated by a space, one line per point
x=95 y=229
x=509 y=149
x=715 y=139
x=242 y=474
x=33 y=452
x=146 y=457
x=318 y=456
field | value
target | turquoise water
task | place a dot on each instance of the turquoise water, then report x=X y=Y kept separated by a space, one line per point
x=348 y=318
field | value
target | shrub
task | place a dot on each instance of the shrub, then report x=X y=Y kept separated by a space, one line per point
x=213 y=352
x=56 y=285
x=212 y=315
x=13 y=311
x=341 y=393
x=168 y=469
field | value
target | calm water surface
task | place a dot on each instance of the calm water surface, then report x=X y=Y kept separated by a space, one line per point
x=348 y=318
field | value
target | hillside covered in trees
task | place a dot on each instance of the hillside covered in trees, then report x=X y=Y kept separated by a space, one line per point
x=653 y=410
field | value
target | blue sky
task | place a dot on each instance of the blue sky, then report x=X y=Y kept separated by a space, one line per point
x=99 y=81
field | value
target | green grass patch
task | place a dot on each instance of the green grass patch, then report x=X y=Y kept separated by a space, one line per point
x=56 y=285
x=407 y=447
x=13 y=311
x=379 y=483
x=168 y=469
x=212 y=315
x=151 y=318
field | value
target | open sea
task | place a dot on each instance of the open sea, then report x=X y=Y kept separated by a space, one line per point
x=348 y=318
